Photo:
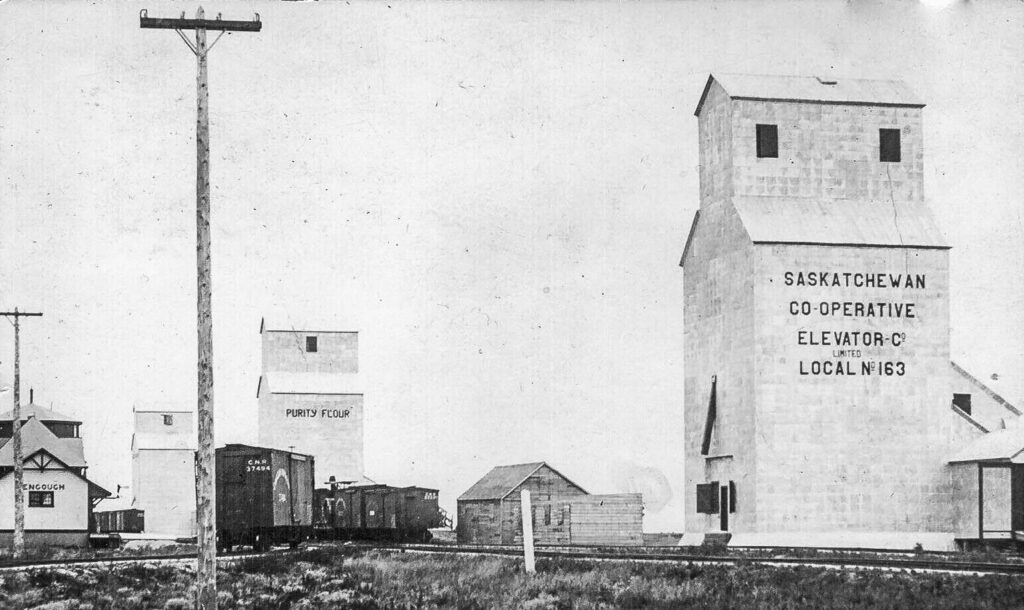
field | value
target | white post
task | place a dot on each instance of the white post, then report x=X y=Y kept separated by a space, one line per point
x=531 y=565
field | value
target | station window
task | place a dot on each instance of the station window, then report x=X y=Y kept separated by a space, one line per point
x=963 y=401
x=310 y=344
x=168 y=420
x=767 y=141
x=547 y=515
x=40 y=499
x=889 y=145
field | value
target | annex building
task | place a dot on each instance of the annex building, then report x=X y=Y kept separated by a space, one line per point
x=59 y=499
x=163 y=469
x=819 y=394
x=309 y=397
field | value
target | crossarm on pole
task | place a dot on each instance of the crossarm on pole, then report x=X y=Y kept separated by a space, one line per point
x=161 y=23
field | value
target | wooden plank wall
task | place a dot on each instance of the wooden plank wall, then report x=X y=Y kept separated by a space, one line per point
x=479 y=522
x=615 y=519
x=547 y=489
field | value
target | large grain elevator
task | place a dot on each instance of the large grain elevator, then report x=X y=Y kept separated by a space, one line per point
x=817 y=370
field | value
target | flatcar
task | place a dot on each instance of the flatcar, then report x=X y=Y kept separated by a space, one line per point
x=124 y=521
x=376 y=512
x=264 y=497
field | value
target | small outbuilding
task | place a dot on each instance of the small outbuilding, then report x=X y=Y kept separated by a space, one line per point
x=490 y=512
x=988 y=480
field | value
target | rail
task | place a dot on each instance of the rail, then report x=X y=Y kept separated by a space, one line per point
x=898 y=561
x=849 y=559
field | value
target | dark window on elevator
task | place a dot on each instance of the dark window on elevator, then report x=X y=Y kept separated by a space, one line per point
x=963 y=401
x=547 y=515
x=310 y=344
x=168 y=420
x=767 y=141
x=889 y=145
x=707 y=497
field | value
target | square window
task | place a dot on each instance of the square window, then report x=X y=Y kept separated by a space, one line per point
x=168 y=420
x=40 y=499
x=889 y=145
x=310 y=344
x=707 y=497
x=963 y=401
x=767 y=141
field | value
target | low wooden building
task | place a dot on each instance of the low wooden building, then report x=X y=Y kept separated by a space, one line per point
x=490 y=512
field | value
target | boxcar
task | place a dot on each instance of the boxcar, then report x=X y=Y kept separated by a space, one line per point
x=264 y=496
x=128 y=520
x=376 y=512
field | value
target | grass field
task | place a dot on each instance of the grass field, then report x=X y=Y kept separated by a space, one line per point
x=342 y=578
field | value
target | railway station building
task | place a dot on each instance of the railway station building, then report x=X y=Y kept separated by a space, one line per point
x=59 y=499
x=309 y=396
x=821 y=405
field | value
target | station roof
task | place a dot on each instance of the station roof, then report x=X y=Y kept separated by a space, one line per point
x=38 y=412
x=502 y=480
x=35 y=436
x=822 y=90
x=1005 y=445
x=309 y=383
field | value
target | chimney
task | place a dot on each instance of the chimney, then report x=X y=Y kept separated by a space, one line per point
x=31 y=395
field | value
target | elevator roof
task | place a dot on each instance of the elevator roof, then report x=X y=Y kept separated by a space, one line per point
x=822 y=90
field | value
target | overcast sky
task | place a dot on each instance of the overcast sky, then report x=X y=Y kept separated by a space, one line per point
x=496 y=195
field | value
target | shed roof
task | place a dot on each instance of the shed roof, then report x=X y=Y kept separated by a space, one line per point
x=35 y=436
x=309 y=383
x=823 y=90
x=39 y=412
x=1005 y=445
x=987 y=388
x=502 y=480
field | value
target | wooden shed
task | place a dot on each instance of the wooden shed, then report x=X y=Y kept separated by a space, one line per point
x=490 y=511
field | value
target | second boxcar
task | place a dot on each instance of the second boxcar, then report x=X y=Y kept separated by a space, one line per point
x=128 y=520
x=376 y=512
x=264 y=496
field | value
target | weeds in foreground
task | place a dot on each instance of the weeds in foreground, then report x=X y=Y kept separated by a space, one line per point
x=345 y=578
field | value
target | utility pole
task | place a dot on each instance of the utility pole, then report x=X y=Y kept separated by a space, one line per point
x=206 y=569
x=19 y=468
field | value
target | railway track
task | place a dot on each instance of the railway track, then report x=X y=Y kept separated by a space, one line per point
x=896 y=562
x=44 y=564
x=899 y=562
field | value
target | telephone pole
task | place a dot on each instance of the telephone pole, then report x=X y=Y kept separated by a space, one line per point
x=206 y=569
x=19 y=468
